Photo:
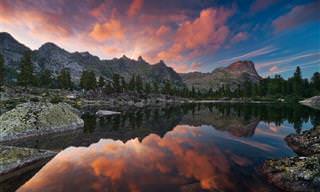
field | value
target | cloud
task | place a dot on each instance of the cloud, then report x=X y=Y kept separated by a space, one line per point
x=110 y=30
x=260 y=5
x=135 y=7
x=273 y=69
x=288 y=59
x=241 y=36
x=298 y=15
x=249 y=55
x=207 y=32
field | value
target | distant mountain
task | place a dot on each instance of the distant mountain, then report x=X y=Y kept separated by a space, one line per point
x=231 y=76
x=11 y=49
x=52 y=57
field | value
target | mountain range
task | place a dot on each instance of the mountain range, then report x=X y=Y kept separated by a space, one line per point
x=52 y=57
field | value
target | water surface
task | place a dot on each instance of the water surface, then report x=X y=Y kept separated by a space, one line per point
x=196 y=147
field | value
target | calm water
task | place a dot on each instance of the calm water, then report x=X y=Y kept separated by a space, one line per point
x=196 y=147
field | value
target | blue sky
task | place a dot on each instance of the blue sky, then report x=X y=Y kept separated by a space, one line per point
x=189 y=35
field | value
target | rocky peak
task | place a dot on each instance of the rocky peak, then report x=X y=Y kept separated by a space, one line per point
x=242 y=66
x=48 y=47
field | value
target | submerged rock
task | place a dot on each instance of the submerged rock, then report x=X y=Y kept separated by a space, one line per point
x=38 y=118
x=307 y=143
x=313 y=102
x=294 y=173
x=16 y=159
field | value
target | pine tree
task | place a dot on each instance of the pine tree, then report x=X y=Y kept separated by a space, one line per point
x=297 y=82
x=116 y=82
x=139 y=84
x=2 y=70
x=45 y=79
x=101 y=82
x=132 y=83
x=88 y=80
x=64 y=79
x=25 y=77
x=315 y=81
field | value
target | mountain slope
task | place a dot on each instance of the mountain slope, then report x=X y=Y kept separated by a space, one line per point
x=231 y=76
x=50 y=56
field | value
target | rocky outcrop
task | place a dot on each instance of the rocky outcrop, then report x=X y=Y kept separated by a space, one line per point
x=38 y=118
x=313 y=102
x=307 y=143
x=294 y=173
x=231 y=76
x=300 y=173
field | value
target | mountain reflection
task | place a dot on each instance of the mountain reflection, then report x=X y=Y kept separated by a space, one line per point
x=184 y=156
x=196 y=147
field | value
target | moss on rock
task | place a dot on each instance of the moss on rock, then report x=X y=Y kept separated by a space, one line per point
x=38 y=118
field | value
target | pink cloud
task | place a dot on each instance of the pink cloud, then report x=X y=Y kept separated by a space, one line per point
x=135 y=7
x=241 y=36
x=260 y=5
x=112 y=29
x=297 y=16
x=207 y=32
x=274 y=69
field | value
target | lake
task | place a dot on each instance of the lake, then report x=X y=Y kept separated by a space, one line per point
x=194 y=147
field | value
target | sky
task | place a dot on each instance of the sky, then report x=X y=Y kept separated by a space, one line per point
x=188 y=35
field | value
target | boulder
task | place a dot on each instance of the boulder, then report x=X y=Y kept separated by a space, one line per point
x=294 y=173
x=102 y=113
x=313 y=102
x=38 y=118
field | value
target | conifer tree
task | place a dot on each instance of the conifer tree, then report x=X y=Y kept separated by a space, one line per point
x=45 y=78
x=64 y=79
x=101 y=82
x=25 y=77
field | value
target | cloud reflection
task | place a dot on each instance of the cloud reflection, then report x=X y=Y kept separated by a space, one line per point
x=186 y=155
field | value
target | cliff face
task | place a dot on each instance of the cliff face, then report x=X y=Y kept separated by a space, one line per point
x=232 y=76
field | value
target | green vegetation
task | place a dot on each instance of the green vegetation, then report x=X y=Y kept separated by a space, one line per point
x=64 y=79
x=25 y=77
x=88 y=80
x=270 y=88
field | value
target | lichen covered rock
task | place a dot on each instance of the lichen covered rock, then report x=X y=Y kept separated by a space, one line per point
x=294 y=173
x=38 y=118
x=307 y=143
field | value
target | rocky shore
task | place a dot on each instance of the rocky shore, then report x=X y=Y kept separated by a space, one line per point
x=301 y=173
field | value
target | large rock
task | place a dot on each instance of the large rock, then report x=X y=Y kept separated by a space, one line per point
x=307 y=143
x=38 y=118
x=313 y=102
x=294 y=173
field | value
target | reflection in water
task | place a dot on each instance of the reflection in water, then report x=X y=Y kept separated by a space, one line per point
x=195 y=148
x=186 y=155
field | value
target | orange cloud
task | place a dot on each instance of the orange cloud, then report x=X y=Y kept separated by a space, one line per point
x=135 y=7
x=203 y=35
x=108 y=30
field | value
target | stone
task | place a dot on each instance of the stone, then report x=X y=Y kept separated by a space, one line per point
x=38 y=118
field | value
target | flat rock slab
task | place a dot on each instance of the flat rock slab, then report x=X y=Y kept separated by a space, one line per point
x=15 y=160
x=102 y=113
x=294 y=174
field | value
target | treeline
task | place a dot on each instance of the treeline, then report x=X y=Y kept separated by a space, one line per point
x=276 y=87
x=271 y=87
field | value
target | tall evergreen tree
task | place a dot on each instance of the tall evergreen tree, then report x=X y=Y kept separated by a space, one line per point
x=2 y=70
x=116 y=82
x=25 y=77
x=45 y=79
x=101 y=82
x=297 y=82
x=88 y=80
x=64 y=79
